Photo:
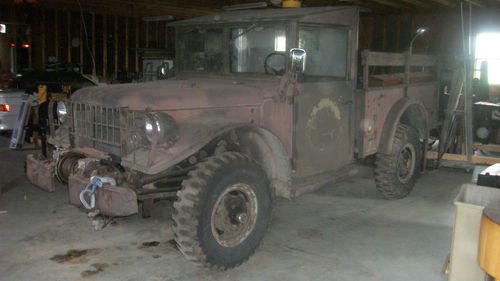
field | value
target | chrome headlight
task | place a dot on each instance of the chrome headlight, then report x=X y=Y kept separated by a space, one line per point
x=62 y=111
x=161 y=125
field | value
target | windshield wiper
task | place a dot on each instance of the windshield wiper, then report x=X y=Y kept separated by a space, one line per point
x=248 y=29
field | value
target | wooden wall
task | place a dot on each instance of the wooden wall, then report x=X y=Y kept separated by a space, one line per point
x=444 y=36
x=115 y=41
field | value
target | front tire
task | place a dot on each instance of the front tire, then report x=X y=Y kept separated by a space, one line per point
x=396 y=172
x=222 y=211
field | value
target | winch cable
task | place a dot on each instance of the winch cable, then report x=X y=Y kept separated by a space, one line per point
x=91 y=188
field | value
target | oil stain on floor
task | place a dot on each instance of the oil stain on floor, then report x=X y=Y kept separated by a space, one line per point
x=75 y=256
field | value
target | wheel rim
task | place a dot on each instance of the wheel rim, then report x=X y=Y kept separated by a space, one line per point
x=234 y=215
x=406 y=163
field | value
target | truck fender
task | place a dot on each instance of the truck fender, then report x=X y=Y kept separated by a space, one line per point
x=255 y=141
x=407 y=111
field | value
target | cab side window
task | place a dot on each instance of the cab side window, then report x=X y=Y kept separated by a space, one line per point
x=326 y=49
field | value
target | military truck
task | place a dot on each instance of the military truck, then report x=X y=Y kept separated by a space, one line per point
x=265 y=103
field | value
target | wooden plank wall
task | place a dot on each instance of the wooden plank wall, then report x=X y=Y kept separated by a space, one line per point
x=112 y=39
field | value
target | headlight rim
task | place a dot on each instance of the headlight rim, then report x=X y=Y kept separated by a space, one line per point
x=156 y=126
x=62 y=111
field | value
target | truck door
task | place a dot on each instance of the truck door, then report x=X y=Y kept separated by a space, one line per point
x=323 y=105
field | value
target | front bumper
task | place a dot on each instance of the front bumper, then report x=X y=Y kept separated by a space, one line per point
x=112 y=201
x=40 y=172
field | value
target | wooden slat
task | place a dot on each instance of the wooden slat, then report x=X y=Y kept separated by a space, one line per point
x=486 y=147
x=396 y=59
x=485 y=160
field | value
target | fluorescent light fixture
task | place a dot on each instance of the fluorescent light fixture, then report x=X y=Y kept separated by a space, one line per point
x=3 y=28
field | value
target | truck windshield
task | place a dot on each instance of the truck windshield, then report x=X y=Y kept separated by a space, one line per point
x=253 y=48
x=201 y=50
x=258 y=49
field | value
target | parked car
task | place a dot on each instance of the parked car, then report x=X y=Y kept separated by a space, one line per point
x=29 y=81
x=10 y=99
x=10 y=102
x=264 y=104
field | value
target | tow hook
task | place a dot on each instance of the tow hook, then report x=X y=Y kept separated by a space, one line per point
x=90 y=189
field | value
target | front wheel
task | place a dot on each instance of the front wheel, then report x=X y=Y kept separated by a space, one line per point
x=396 y=172
x=222 y=211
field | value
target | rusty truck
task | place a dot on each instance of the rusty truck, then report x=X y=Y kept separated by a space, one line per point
x=265 y=103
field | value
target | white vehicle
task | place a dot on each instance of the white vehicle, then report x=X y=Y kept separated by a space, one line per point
x=10 y=102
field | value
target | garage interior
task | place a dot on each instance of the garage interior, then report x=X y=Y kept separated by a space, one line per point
x=340 y=230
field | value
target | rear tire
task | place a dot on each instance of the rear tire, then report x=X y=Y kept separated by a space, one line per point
x=396 y=173
x=222 y=211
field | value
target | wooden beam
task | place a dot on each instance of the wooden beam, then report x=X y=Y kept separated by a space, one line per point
x=137 y=45
x=476 y=3
x=390 y=4
x=104 y=45
x=418 y=3
x=486 y=147
x=82 y=19
x=157 y=38
x=43 y=38
x=484 y=160
x=447 y=3
x=93 y=46
x=56 y=34
x=68 y=43
x=147 y=34
x=126 y=44
x=30 y=49
x=116 y=46
x=141 y=8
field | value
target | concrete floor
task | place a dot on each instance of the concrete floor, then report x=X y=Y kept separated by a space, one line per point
x=340 y=232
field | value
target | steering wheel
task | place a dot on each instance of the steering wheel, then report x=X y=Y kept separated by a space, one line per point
x=271 y=70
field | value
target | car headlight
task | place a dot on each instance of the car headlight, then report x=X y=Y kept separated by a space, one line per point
x=62 y=111
x=161 y=125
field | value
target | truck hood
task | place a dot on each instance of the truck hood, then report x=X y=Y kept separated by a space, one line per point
x=179 y=94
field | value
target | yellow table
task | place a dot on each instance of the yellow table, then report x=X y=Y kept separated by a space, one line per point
x=489 y=241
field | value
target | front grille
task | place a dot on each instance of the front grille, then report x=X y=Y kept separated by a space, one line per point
x=96 y=126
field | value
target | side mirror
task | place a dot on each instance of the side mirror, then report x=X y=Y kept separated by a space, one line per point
x=298 y=60
x=163 y=71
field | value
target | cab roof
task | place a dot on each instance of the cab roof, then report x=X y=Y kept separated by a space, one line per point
x=273 y=14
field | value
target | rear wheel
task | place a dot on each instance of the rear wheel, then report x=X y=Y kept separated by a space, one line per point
x=222 y=211
x=396 y=172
